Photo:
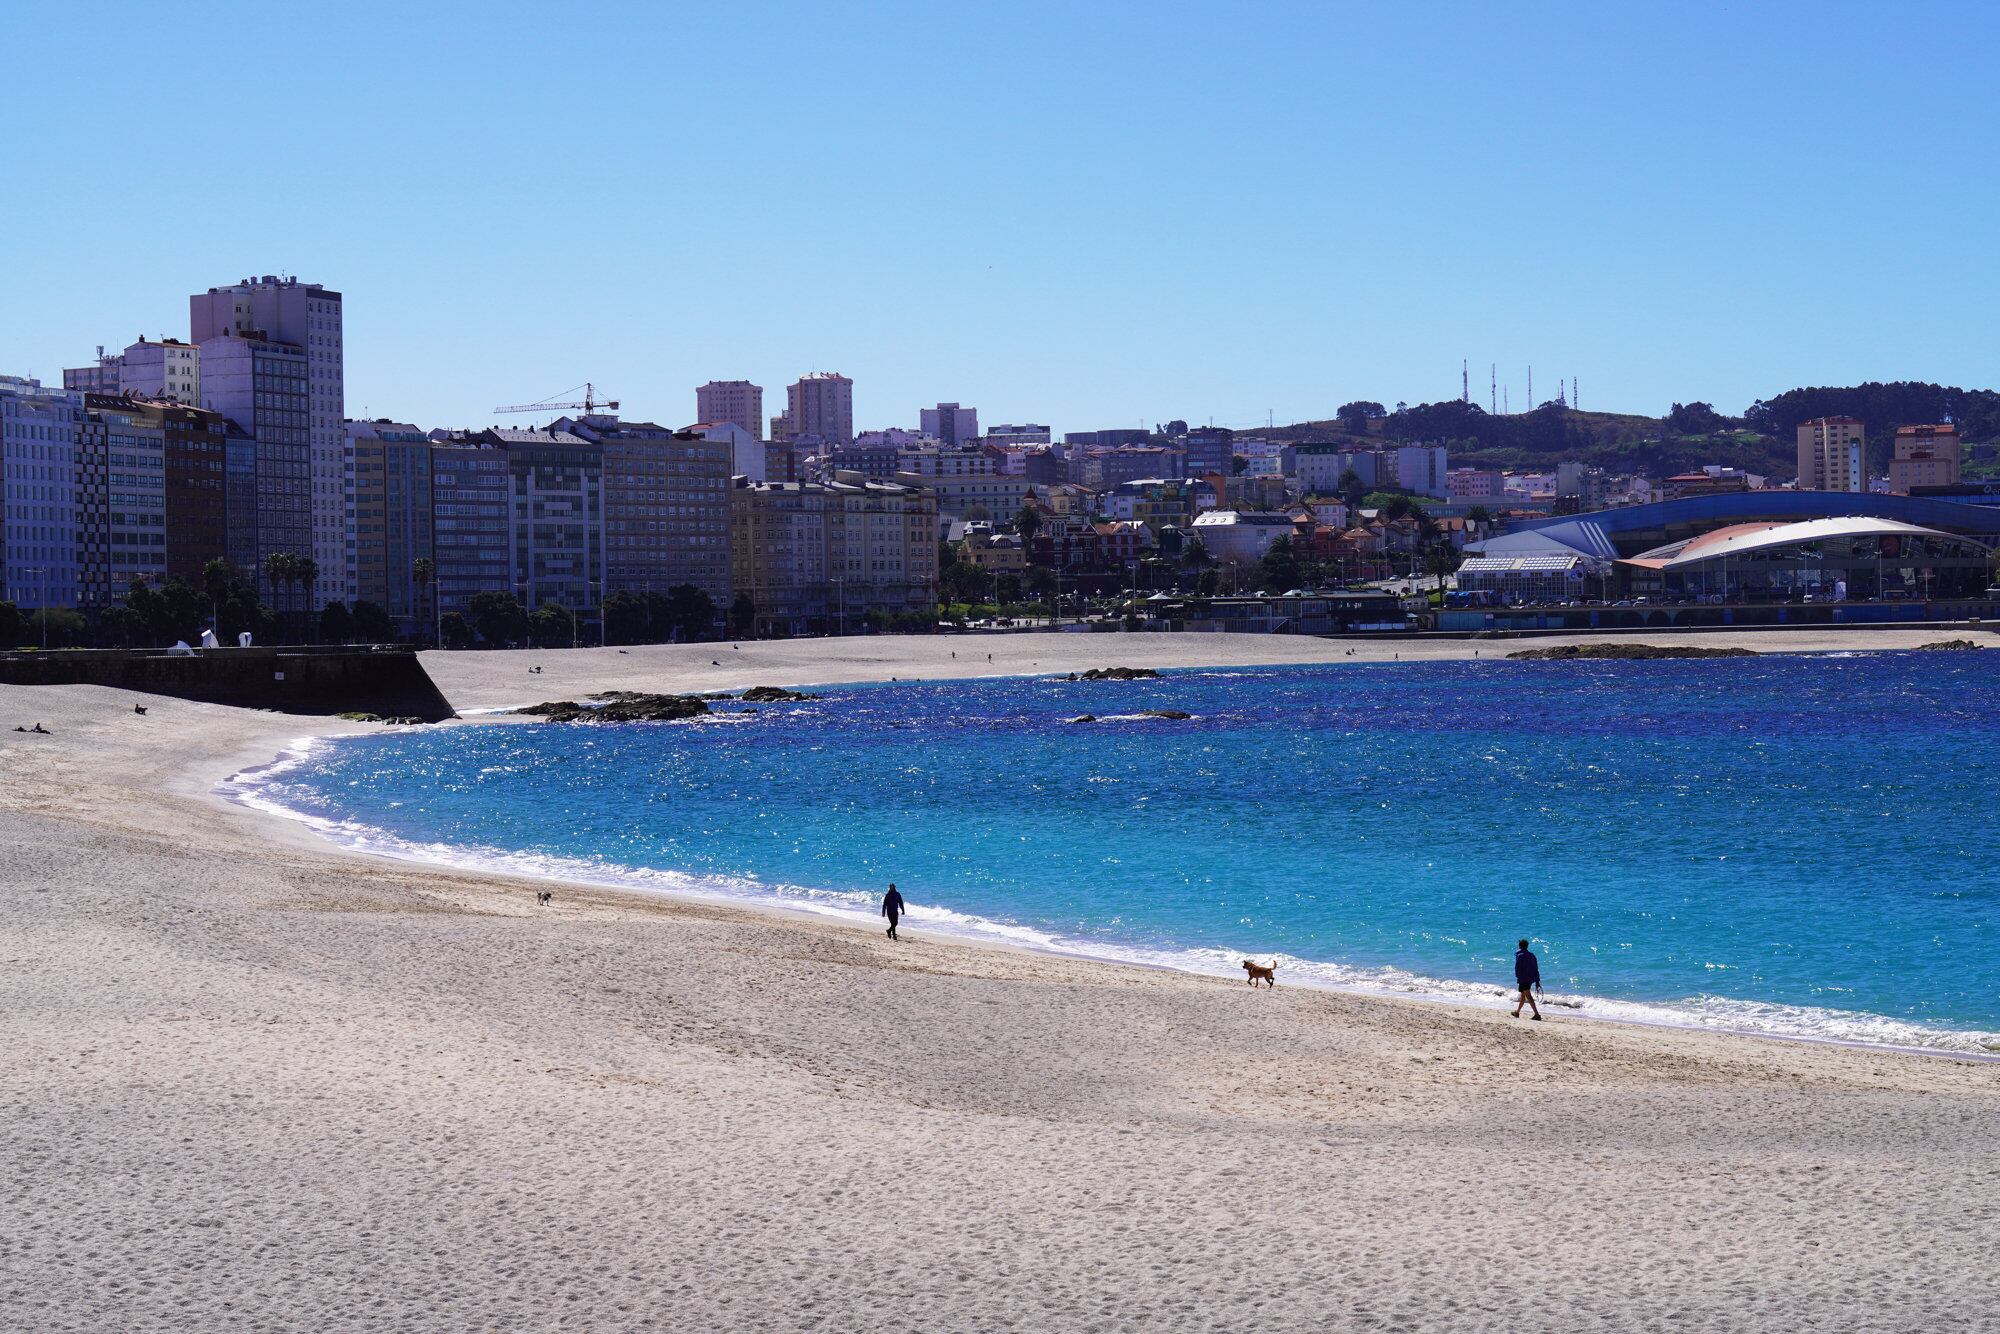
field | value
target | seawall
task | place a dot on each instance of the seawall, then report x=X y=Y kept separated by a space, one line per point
x=306 y=680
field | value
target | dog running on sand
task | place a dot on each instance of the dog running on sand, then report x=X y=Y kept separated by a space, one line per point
x=543 y=897
x=1259 y=973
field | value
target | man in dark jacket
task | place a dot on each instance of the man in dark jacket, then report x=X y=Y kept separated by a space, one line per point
x=1527 y=976
x=892 y=908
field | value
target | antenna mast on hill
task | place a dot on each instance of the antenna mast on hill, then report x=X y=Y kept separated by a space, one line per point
x=1464 y=384
x=1493 y=387
x=1574 y=401
x=1531 y=388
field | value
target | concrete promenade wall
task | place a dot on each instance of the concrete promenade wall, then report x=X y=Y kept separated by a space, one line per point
x=386 y=681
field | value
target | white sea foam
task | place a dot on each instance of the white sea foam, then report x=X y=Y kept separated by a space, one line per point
x=1713 y=1013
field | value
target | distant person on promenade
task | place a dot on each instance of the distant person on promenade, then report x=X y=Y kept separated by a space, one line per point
x=892 y=908
x=1527 y=976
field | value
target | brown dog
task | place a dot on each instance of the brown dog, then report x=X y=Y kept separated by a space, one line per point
x=1259 y=973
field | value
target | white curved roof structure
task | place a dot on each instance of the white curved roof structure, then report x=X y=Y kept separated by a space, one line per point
x=1741 y=539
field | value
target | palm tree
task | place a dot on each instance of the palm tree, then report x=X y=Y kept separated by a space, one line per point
x=306 y=570
x=423 y=569
x=279 y=571
x=218 y=580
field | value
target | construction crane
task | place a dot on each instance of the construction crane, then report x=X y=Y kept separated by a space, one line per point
x=589 y=403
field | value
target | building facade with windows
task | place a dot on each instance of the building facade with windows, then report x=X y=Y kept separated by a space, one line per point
x=38 y=538
x=736 y=401
x=665 y=505
x=194 y=460
x=471 y=509
x=393 y=520
x=309 y=318
x=121 y=500
x=815 y=558
x=950 y=424
x=262 y=387
x=555 y=531
x=1925 y=456
x=820 y=404
x=1831 y=453
x=167 y=369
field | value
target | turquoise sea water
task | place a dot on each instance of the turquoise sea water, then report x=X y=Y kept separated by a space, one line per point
x=1794 y=845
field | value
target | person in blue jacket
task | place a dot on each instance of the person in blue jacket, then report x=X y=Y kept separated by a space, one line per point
x=1528 y=976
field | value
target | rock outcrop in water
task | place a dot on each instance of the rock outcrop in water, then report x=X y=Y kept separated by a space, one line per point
x=1174 y=715
x=774 y=695
x=622 y=706
x=1947 y=646
x=1625 y=652
x=1115 y=674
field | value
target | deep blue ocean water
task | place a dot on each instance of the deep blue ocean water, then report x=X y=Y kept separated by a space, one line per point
x=1786 y=844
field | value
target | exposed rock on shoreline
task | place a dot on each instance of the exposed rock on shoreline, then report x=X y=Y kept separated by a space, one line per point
x=1625 y=652
x=774 y=695
x=623 y=706
x=1947 y=646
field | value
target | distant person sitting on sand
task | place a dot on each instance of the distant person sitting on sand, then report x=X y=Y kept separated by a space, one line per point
x=1528 y=976
x=892 y=908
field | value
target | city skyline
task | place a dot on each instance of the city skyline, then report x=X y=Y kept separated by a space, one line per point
x=1184 y=217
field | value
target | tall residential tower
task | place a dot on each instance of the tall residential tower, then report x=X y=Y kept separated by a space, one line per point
x=1830 y=455
x=736 y=401
x=307 y=317
x=821 y=404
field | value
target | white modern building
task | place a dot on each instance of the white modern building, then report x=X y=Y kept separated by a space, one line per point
x=748 y=458
x=309 y=317
x=168 y=369
x=1421 y=470
x=1233 y=537
x=38 y=434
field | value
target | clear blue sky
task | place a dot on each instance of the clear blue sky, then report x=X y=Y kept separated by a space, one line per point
x=1084 y=214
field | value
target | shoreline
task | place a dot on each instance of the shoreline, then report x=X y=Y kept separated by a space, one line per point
x=242 y=789
x=458 y=1109
x=983 y=933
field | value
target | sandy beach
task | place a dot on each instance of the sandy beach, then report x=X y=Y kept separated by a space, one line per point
x=255 y=1081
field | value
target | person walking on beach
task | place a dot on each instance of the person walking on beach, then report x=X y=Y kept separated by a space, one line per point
x=892 y=908
x=1527 y=976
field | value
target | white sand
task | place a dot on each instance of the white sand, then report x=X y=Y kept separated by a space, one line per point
x=252 y=1081
x=500 y=680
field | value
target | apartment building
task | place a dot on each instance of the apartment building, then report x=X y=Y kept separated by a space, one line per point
x=815 y=557
x=121 y=500
x=1925 y=456
x=555 y=532
x=665 y=505
x=393 y=519
x=820 y=404
x=38 y=547
x=736 y=401
x=471 y=505
x=1831 y=454
x=308 y=318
